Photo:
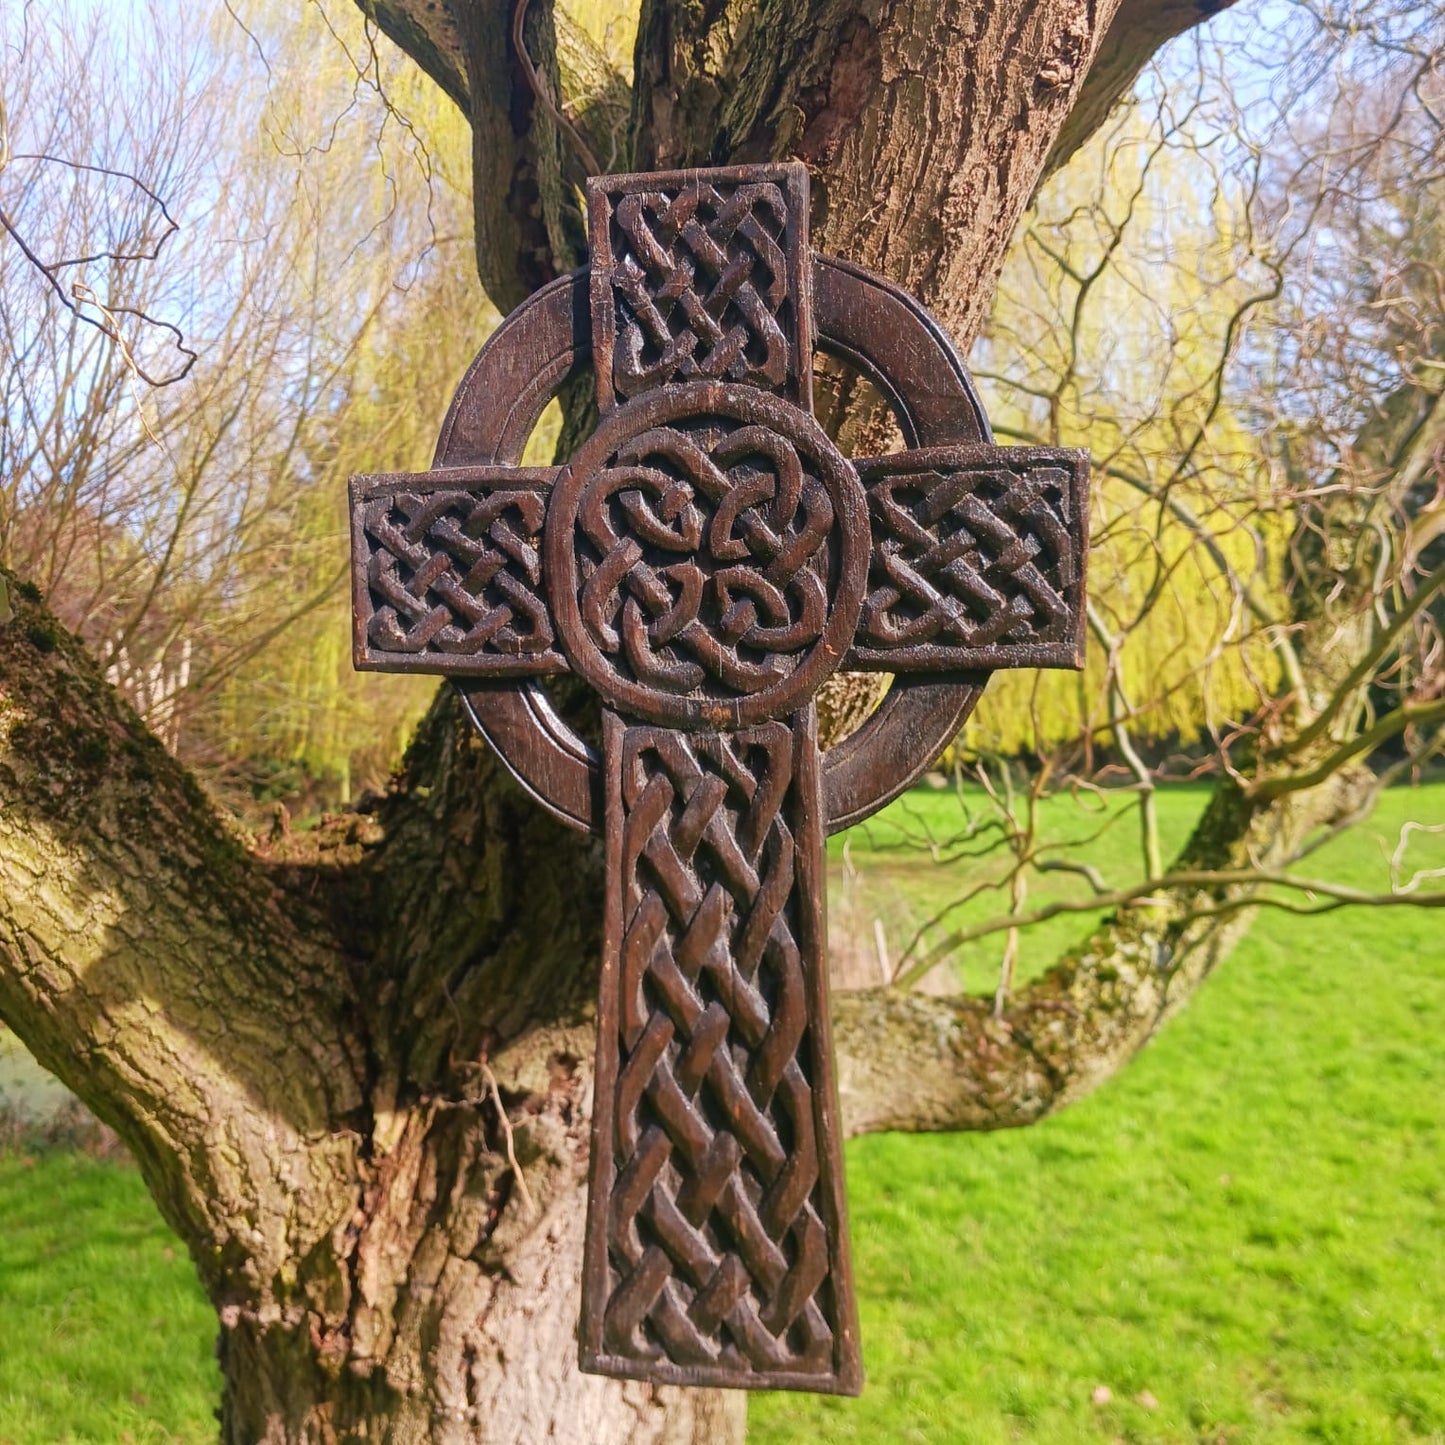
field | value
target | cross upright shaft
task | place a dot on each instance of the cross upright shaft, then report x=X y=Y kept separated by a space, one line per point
x=705 y=561
x=721 y=531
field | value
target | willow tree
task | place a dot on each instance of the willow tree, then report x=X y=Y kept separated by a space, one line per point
x=170 y=495
x=354 y=1064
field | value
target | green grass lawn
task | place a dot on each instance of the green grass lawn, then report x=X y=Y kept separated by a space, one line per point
x=1243 y=1231
x=104 y=1333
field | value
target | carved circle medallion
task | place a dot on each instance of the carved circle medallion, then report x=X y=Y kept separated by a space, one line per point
x=708 y=546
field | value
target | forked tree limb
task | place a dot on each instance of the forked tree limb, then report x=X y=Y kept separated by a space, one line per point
x=149 y=962
x=836 y=83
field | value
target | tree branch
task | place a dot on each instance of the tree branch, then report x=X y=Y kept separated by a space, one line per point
x=1148 y=892
x=432 y=36
x=1347 y=694
x=1139 y=29
x=1410 y=714
x=152 y=964
x=824 y=84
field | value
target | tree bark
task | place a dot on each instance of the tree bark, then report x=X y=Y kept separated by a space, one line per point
x=354 y=1064
x=298 y=1041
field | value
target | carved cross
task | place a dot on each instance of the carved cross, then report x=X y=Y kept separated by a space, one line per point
x=705 y=561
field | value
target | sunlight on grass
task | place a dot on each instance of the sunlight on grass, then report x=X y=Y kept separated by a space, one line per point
x=104 y=1333
x=1243 y=1229
x=1238 y=1238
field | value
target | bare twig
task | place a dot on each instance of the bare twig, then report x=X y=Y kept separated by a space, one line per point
x=1149 y=894
x=575 y=138
x=80 y=295
x=506 y=1124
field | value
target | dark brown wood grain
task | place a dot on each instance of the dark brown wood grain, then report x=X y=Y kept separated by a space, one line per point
x=705 y=561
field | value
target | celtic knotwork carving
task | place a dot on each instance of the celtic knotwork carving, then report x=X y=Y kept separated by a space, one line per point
x=704 y=561
x=706 y=570
x=715 y=1229
x=681 y=529
x=453 y=577
x=975 y=560
x=700 y=282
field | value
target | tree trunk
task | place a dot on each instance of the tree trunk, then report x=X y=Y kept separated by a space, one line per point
x=304 y=1045
x=305 y=1041
x=464 y=1299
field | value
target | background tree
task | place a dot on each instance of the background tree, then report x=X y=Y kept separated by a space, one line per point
x=1203 y=299
x=326 y=1050
x=182 y=396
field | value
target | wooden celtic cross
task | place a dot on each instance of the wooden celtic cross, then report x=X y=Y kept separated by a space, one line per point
x=705 y=561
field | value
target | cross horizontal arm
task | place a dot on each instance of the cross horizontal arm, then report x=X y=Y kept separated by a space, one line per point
x=447 y=572
x=978 y=560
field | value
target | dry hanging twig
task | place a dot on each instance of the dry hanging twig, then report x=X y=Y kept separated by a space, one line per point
x=516 y=1168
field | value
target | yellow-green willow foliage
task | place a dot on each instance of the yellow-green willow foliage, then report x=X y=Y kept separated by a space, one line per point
x=611 y=25
x=380 y=164
x=315 y=253
x=374 y=164
x=1124 y=295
